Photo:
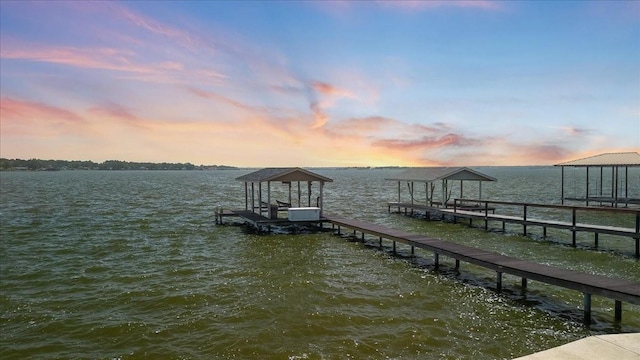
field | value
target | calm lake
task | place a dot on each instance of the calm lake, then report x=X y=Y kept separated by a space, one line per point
x=131 y=265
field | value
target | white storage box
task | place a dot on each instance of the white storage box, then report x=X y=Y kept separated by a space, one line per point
x=304 y=214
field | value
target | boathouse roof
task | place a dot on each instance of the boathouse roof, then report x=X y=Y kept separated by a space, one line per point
x=607 y=159
x=430 y=174
x=283 y=174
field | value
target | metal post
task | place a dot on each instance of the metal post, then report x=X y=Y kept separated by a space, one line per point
x=587 y=309
x=618 y=310
x=562 y=186
x=498 y=281
x=617 y=186
x=394 y=246
x=486 y=214
x=587 y=189
x=524 y=218
x=524 y=283
x=573 y=227
x=246 y=196
x=436 y=260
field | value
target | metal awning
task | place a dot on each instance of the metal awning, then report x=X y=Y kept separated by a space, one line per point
x=283 y=174
x=607 y=159
x=431 y=174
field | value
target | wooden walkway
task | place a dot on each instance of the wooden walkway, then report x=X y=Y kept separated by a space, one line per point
x=614 y=288
x=259 y=222
x=486 y=213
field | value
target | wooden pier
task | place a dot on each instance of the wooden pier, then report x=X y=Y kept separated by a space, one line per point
x=259 y=222
x=614 y=288
x=474 y=209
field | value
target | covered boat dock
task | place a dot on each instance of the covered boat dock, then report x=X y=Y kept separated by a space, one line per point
x=618 y=193
x=430 y=176
x=272 y=190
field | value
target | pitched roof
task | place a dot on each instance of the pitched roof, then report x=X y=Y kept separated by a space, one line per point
x=283 y=174
x=607 y=159
x=429 y=174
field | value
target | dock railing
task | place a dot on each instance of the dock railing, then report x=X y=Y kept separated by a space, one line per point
x=566 y=217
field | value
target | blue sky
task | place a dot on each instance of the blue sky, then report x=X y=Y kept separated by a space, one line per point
x=320 y=83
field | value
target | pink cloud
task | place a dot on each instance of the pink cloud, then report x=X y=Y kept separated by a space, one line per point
x=118 y=113
x=20 y=110
x=426 y=142
x=328 y=89
x=94 y=58
x=21 y=117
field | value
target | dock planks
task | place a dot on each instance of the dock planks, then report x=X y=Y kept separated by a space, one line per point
x=589 y=284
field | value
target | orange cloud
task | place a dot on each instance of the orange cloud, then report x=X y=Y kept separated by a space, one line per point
x=426 y=142
x=328 y=89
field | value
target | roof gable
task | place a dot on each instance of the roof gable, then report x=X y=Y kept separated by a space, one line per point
x=283 y=174
x=607 y=159
x=429 y=174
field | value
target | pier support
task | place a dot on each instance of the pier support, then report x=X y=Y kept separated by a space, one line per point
x=499 y=281
x=436 y=260
x=587 y=309
x=618 y=311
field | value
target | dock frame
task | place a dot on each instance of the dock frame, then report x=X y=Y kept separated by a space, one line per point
x=485 y=210
x=589 y=284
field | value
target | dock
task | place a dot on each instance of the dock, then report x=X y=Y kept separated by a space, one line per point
x=260 y=222
x=619 y=290
x=485 y=210
x=613 y=346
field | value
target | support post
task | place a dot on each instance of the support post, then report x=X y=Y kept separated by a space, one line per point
x=457 y=264
x=573 y=227
x=618 y=311
x=436 y=260
x=586 y=197
x=524 y=283
x=394 y=246
x=486 y=214
x=524 y=218
x=499 y=281
x=596 y=240
x=380 y=242
x=562 y=186
x=587 y=309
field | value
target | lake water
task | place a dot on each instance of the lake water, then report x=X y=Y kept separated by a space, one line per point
x=131 y=265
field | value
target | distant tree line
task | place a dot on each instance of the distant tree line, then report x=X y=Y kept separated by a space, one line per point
x=37 y=164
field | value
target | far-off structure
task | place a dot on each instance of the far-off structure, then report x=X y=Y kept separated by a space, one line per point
x=611 y=169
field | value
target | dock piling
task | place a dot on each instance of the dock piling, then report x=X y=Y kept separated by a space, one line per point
x=587 y=308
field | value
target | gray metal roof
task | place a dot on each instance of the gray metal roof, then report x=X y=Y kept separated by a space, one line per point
x=607 y=159
x=429 y=174
x=283 y=174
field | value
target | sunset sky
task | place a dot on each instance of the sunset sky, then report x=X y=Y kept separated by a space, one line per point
x=265 y=83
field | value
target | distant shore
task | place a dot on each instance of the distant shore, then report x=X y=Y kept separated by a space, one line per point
x=57 y=165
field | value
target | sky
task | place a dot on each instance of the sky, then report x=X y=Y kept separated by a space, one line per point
x=319 y=83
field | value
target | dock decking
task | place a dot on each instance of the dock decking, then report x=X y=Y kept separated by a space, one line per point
x=614 y=288
x=257 y=221
x=486 y=213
